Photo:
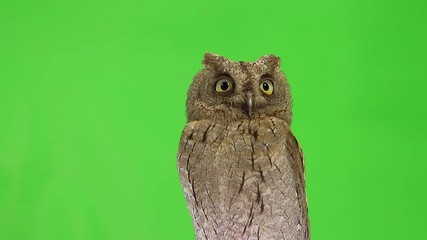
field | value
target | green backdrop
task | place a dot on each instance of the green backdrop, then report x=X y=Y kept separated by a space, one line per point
x=92 y=98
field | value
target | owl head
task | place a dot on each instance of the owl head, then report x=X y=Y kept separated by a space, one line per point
x=226 y=90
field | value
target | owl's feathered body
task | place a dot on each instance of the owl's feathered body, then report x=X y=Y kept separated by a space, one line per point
x=241 y=168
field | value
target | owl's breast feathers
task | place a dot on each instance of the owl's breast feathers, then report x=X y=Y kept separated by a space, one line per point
x=244 y=180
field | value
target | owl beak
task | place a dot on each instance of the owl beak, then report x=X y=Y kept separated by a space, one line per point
x=249 y=103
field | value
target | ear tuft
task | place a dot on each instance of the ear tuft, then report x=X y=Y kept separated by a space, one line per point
x=270 y=60
x=209 y=58
x=212 y=60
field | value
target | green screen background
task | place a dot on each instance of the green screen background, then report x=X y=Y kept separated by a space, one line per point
x=92 y=98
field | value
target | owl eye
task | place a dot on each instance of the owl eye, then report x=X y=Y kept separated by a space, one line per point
x=266 y=87
x=223 y=85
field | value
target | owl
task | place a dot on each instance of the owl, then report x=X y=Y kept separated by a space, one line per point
x=240 y=166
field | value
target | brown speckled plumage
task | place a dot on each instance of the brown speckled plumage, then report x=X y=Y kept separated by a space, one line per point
x=242 y=170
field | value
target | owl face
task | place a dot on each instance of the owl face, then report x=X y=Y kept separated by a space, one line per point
x=227 y=89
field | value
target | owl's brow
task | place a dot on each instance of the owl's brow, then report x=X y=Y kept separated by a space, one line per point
x=267 y=75
x=223 y=75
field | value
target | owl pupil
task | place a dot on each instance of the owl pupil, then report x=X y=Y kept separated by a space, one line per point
x=265 y=86
x=224 y=86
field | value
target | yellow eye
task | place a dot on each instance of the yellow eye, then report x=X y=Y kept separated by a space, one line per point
x=223 y=85
x=266 y=87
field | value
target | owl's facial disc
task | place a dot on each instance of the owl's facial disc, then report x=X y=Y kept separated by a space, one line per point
x=226 y=90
